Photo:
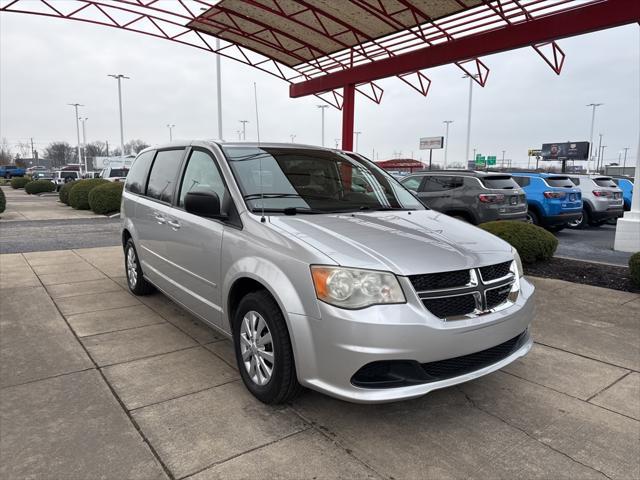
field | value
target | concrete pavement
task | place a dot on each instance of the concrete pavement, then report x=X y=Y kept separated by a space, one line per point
x=96 y=383
x=22 y=206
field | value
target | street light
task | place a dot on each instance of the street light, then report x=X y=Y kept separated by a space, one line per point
x=357 y=135
x=446 y=142
x=170 y=127
x=322 y=107
x=119 y=77
x=503 y=152
x=471 y=80
x=293 y=137
x=593 y=119
x=76 y=105
x=84 y=141
x=244 y=128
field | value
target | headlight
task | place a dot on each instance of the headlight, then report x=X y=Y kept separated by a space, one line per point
x=518 y=261
x=352 y=288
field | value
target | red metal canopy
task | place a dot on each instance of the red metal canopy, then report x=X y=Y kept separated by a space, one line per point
x=333 y=48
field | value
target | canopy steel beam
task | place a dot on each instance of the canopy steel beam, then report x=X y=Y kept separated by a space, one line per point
x=568 y=23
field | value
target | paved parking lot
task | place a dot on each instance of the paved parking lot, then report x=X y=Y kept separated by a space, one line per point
x=591 y=244
x=96 y=383
x=22 y=206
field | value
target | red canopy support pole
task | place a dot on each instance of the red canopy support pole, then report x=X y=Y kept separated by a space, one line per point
x=348 y=112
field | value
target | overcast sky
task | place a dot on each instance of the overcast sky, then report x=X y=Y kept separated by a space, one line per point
x=47 y=63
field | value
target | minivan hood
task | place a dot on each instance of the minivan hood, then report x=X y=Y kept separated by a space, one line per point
x=406 y=243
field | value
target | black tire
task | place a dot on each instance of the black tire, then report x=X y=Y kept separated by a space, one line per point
x=583 y=222
x=138 y=285
x=532 y=217
x=283 y=384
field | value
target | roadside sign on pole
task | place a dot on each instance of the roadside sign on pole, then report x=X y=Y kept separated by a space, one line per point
x=480 y=160
x=431 y=143
x=534 y=152
x=491 y=160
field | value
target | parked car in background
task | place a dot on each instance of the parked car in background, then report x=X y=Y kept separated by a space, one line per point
x=35 y=169
x=60 y=177
x=91 y=175
x=601 y=200
x=475 y=197
x=323 y=269
x=42 y=175
x=9 y=171
x=552 y=200
x=626 y=185
x=114 y=174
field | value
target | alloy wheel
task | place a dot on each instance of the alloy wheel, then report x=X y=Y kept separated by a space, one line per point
x=575 y=223
x=256 y=347
x=132 y=268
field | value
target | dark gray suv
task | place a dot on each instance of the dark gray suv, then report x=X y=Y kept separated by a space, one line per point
x=476 y=197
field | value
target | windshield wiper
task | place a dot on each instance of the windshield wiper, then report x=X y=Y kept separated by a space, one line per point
x=290 y=210
x=253 y=196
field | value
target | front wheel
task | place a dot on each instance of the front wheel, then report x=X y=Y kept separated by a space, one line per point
x=136 y=282
x=581 y=222
x=263 y=349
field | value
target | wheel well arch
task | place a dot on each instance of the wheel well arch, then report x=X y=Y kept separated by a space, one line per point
x=125 y=236
x=240 y=288
x=462 y=213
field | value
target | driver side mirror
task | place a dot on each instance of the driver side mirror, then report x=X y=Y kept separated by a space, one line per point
x=204 y=204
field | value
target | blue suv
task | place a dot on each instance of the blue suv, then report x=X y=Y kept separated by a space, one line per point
x=626 y=185
x=553 y=200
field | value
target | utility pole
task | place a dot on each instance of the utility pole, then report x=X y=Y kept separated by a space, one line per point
x=119 y=77
x=170 y=127
x=244 y=129
x=35 y=157
x=601 y=163
x=322 y=107
x=84 y=142
x=593 y=118
x=471 y=80
x=357 y=134
x=446 y=143
x=76 y=105
x=624 y=163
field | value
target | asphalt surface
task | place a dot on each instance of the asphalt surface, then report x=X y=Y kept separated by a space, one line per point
x=591 y=244
x=42 y=235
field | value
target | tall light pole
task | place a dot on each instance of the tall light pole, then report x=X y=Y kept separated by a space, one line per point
x=76 y=105
x=244 y=128
x=293 y=137
x=119 y=77
x=357 y=135
x=170 y=127
x=597 y=165
x=601 y=163
x=322 y=107
x=337 y=140
x=471 y=80
x=219 y=89
x=503 y=152
x=624 y=163
x=446 y=142
x=84 y=141
x=593 y=119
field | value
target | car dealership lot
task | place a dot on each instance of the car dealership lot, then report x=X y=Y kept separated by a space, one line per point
x=96 y=382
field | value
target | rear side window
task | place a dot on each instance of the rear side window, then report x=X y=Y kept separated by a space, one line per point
x=499 y=181
x=522 y=181
x=119 y=172
x=412 y=183
x=575 y=180
x=138 y=175
x=441 y=182
x=163 y=175
x=564 y=182
x=604 y=182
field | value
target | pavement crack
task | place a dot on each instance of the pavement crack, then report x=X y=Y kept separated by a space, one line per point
x=474 y=404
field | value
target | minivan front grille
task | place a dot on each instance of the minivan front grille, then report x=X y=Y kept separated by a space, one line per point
x=493 y=272
x=463 y=293
x=436 y=281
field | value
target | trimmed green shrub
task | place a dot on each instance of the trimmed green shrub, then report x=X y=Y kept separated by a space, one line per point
x=79 y=193
x=63 y=194
x=532 y=242
x=106 y=198
x=19 y=182
x=3 y=201
x=39 y=186
x=634 y=269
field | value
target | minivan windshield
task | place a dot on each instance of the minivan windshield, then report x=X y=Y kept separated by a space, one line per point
x=305 y=180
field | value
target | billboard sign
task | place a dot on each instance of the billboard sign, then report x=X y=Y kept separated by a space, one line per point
x=431 y=143
x=534 y=152
x=565 y=151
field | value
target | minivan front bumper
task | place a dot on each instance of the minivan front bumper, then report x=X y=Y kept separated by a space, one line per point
x=332 y=349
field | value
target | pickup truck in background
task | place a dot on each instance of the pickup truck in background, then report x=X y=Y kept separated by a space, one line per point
x=8 y=171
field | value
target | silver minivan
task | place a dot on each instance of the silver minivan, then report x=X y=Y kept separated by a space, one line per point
x=323 y=269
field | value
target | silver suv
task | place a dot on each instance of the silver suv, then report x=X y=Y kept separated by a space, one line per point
x=323 y=269
x=601 y=200
x=475 y=197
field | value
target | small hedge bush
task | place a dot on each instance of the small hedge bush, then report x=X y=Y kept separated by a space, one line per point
x=634 y=269
x=532 y=243
x=19 y=182
x=106 y=198
x=39 y=186
x=79 y=193
x=3 y=201
x=63 y=194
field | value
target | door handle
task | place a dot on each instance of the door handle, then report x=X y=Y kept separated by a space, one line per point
x=173 y=224
x=159 y=219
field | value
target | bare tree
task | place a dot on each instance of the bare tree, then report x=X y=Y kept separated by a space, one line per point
x=96 y=149
x=60 y=153
x=135 y=146
x=5 y=152
x=24 y=150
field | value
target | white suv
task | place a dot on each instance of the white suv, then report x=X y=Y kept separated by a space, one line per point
x=601 y=200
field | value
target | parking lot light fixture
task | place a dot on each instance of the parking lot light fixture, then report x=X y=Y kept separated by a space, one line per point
x=76 y=105
x=446 y=141
x=84 y=141
x=119 y=77
x=170 y=127
x=322 y=108
x=244 y=129
x=593 y=119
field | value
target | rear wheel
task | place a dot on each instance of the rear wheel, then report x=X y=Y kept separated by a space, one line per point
x=135 y=280
x=532 y=217
x=263 y=349
x=581 y=222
